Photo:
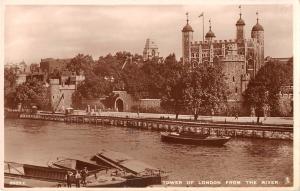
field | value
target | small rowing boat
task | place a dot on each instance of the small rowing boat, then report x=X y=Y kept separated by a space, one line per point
x=193 y=138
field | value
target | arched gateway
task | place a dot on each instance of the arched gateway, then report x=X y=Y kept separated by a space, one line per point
x=119 y=105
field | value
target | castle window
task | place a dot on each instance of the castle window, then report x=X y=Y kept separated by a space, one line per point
x=153 y=52
x=197 y=54
x=192 y=54
x=233 y=78
x=236 y=90
x=242 y=66
x=52 y=97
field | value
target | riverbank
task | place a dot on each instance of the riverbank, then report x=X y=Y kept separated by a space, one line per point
x=217 y=119
x=284 y=121
x=251 y=130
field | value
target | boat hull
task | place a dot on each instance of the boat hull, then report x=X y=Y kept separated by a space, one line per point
x=217 y=141
x=24 y=175
x=111 y=159
x=19 y=181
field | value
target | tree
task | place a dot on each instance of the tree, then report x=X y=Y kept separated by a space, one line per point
x=92 y=87
x=206 y=89
x=255 y=96
x=80 y=63
x=77 y=100
x=10 y=78
x=155 y=73
x=265 y=87
x=33 y=92
x=175 y=85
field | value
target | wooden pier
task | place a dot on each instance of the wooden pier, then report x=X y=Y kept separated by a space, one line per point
x=227 y=129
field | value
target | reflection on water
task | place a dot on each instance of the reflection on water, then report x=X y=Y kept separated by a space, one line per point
x=36 y=142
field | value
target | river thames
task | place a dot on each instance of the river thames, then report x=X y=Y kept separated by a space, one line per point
x=242 y=161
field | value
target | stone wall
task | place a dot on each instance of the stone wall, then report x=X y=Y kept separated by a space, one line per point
x=286 y=104
x=150 y=103
x=95 y=102
x=60 y=95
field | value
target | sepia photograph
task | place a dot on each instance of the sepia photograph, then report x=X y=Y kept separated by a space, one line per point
x=149 y=96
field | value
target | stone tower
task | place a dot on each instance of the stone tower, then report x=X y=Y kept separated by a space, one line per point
x=54 y=92
x=187 y=39
x=240 y=34
x=150 y=50
x=257 y=34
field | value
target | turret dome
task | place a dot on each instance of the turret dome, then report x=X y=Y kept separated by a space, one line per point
x=210 y=34
x=187 y=28
x=257 y=27
x=240 y=22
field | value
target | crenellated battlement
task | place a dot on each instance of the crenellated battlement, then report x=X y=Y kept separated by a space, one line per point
x=197 y=43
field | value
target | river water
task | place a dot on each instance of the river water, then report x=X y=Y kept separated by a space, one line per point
x=239 y=161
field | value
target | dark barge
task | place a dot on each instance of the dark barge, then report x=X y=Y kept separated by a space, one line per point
x=136 y=173
x=25 y=175
x=188 y=138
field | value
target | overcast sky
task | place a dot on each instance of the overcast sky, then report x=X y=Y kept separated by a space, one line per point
x=35 y=32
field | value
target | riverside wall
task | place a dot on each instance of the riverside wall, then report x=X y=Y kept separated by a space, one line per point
x=220 y=129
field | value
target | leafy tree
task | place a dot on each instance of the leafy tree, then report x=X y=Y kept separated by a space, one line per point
x=77 y=100
x=10 y=78
x=80 y=63
x=175 y=86
x=206 y=89
x=155 y=73
x=265 y=88
x=56 y=74
x=33 y=92
x=94 y=87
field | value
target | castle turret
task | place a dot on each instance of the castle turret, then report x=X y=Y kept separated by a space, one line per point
x=150 y=50
x=210 y=35
x=187 y=39
x=240 y=35
x=257 y=34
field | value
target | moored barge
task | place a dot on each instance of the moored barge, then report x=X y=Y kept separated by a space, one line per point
x=195 y=139
x=136 y=173
x=25 y=175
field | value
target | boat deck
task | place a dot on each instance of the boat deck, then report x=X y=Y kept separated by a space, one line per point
x=125 y=162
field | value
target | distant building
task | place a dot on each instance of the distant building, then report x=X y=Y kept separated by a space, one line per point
x=241 y=58
x=21 y=78
x=24 y=73
x=49 y=65
x=34 y=68
x=18 y=68
x=150 y=50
